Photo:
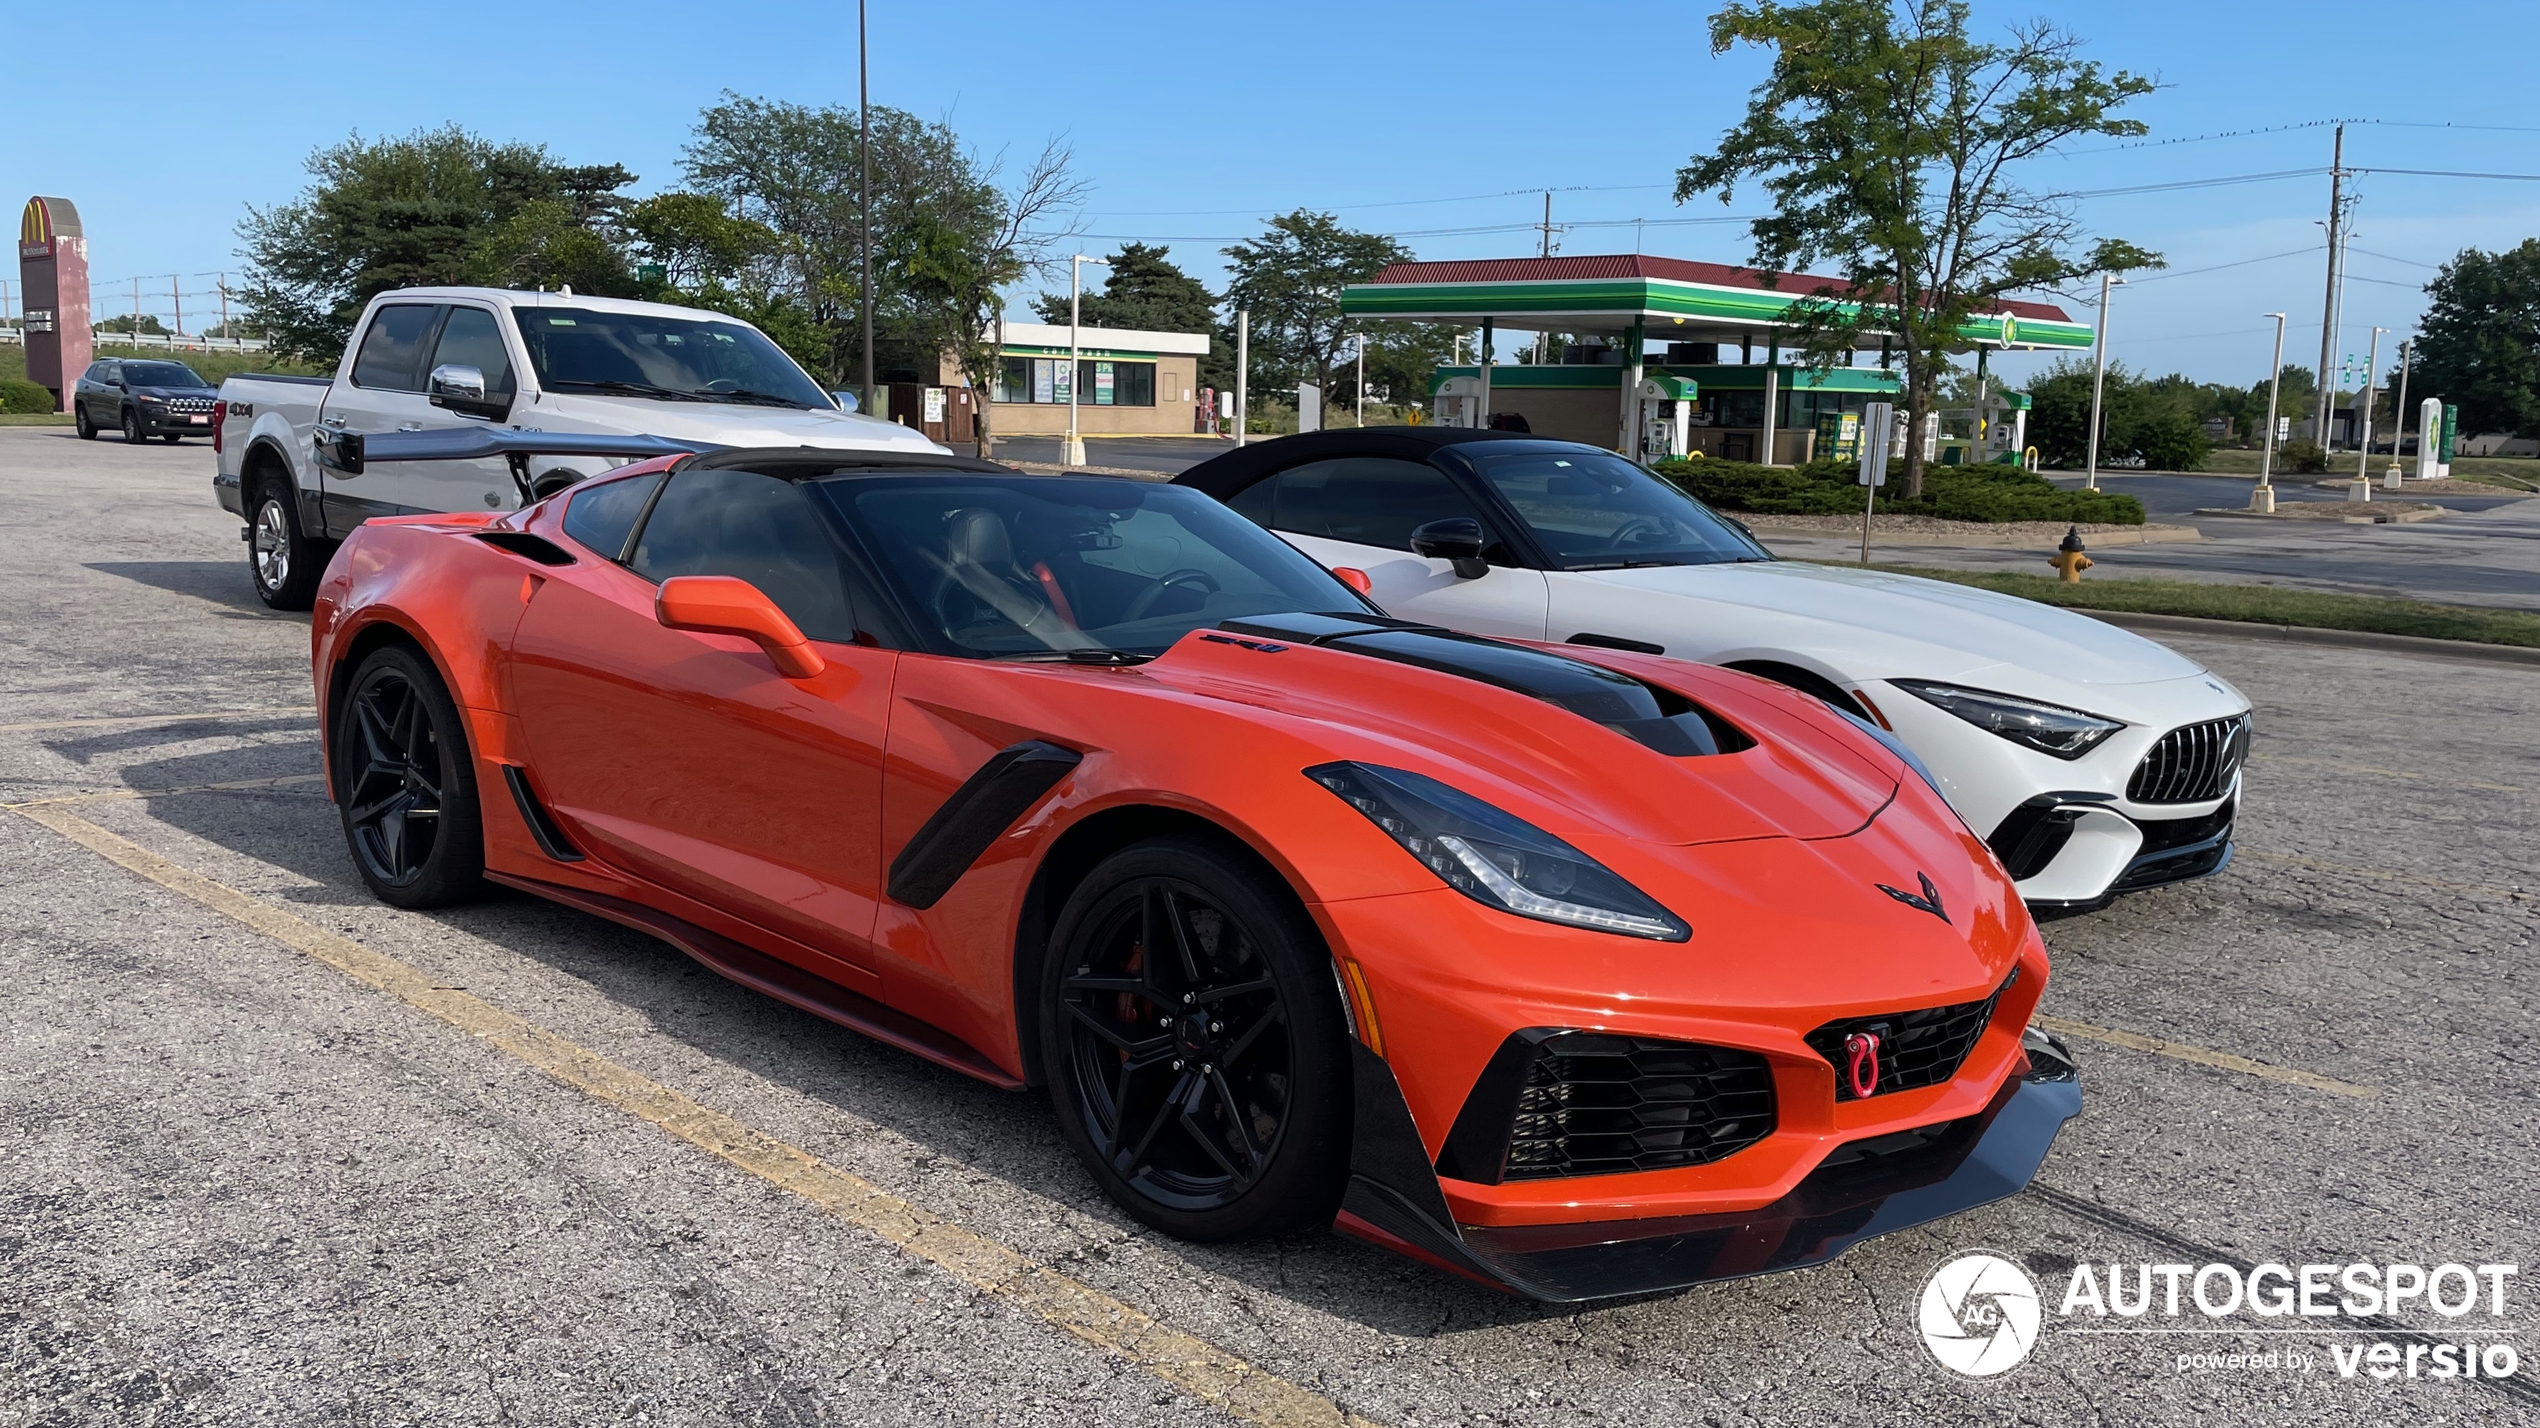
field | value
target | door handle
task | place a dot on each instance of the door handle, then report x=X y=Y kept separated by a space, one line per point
x=336 y=422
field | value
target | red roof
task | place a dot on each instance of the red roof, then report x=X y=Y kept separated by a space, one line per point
x=1637 y=265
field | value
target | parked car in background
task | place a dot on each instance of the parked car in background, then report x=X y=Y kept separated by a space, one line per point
x=2093 y=761
x=142 y=398
x=425 y=358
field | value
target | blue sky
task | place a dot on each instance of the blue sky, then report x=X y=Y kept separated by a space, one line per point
x=1192 y=121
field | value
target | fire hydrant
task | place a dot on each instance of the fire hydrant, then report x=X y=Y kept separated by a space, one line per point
x=2068 y=557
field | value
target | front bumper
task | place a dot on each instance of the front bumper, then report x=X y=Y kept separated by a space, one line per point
x=174 y=423
x=2054 y=832
x=1868 y=1187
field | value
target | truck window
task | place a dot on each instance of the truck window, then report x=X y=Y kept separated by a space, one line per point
x=391 y=349
x=470 y=339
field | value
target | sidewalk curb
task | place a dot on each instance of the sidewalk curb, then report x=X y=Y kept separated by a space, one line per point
x=2302 y=635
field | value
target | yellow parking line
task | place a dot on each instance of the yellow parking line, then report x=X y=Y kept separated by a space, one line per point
x=2358 y=870
x=2409 y=774
x=128 y=721
x=234 y=786
x=1187 y=1362
x=2202 y=1056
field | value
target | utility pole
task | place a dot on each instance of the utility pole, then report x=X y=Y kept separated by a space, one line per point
x=1547 y=223
x=1243 y=371
x=2399 y=416
x=136 y=312
x=2262 y=500
x=224 y=309
x=2328 y=298
x=864 y=211
x=176 y=300
x=2099 y=377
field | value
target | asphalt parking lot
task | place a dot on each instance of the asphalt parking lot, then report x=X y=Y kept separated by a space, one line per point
x=271 y=1152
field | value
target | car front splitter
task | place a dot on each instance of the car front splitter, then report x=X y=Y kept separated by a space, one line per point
x=1883 y=1187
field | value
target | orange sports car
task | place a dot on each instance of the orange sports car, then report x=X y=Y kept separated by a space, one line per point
x=1575 y=971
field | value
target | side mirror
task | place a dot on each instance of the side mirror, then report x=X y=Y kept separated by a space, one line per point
x=846 y=402
x=1457 y=538
x=462 y=389
x=721 y=605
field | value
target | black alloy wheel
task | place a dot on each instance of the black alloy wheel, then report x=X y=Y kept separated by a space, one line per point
x=1195 y=1047
x=79 y=420
x=132 y=427
x=405 y=785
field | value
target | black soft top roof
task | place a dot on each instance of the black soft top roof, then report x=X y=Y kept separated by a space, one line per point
x=1223 y=476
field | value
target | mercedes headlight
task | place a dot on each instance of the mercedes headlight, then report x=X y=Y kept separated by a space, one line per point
x=2048 y=728
x=1494 y=858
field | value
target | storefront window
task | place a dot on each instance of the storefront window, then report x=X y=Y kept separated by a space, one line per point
x=1105 y=383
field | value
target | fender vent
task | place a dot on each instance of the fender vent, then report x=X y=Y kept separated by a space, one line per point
x=542 y=824
x=527 y=546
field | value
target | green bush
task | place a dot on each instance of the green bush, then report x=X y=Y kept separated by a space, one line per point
x=23 y=398
x=1952 y=493
x=2306 y=458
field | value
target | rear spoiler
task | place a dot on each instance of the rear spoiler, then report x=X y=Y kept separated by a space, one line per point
x=350 y=451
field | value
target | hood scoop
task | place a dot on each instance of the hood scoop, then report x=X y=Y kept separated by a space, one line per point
x=1660 y=720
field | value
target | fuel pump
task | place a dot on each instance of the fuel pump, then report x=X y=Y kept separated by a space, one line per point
x=1666 y=416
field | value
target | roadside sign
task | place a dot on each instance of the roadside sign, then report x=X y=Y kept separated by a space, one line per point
x=2283 y=428
x=1878 y=428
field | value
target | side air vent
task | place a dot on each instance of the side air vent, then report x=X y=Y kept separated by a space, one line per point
x=1555 y=1103
x=1656 y=718
x=542 y=824
x=527 y=546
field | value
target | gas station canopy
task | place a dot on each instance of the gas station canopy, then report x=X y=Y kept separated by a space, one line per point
x=1675 y=300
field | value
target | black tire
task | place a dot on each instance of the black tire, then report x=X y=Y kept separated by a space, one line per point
x=1209 y=1092
x=132 y=427
x=283 y=564
x=79 y=420
x=405 y=784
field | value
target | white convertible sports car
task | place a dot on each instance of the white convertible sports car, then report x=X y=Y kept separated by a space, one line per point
x=2092 y=760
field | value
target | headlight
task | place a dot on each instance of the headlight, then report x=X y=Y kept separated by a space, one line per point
x=1496 y=859
x=2047 y=728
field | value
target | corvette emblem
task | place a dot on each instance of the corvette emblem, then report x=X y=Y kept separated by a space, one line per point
x=1861 y=1063
x=1928 y=902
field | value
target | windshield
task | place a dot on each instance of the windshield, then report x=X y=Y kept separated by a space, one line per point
x=160 y=374
x=1062 y=567
x=1596 y=511
x=665 y=358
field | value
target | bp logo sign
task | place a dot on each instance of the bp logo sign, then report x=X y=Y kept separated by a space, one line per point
x=1979 y=1315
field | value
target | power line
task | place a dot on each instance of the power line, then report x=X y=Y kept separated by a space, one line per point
x=2306 y=124
x=2216 y=182
x=2395 y=258
x=2218 y=267
x=1387 y=203
x=2447 y=173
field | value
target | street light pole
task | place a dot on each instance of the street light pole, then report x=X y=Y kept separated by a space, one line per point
x=2363 y=419
x=1362 y=379
x=1074 y=455
x=864 y=200
x=2399 y=414
x=1243 y=371
x=2099 y=377
x=2262 y=500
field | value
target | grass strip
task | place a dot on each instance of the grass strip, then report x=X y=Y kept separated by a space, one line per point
x=2257 y=604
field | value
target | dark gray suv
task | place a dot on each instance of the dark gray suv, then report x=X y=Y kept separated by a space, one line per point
x=142 y=398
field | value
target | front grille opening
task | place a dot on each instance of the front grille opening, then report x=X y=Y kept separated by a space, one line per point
x=2193 y=763
x=1584 y=1103
x=1917 y=1048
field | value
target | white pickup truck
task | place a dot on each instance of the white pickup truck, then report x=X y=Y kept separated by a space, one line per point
x=426 y=358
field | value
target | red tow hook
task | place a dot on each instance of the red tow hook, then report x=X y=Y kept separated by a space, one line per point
x=1861 y=1050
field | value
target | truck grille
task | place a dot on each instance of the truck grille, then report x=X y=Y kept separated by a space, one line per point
x=1584 y=1103
x=2192 y=764
x=1916 y=1048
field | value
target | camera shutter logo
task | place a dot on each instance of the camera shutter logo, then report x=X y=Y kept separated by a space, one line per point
x=1979 y=1315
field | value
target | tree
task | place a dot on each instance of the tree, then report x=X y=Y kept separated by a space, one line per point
x=2479 y=345
x=1144 y=289
x=148 y=325
x=964 y=261
x=436 y=206
x=1291 y=279
x=1891 y=143
x=2157 y=423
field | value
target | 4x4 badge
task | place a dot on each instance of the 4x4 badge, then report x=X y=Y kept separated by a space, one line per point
x=1928 y=902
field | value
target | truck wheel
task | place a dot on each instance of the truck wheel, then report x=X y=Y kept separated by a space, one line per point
x=132 y=428
x=283 y=564
x=79 y=420
x=406 y=785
